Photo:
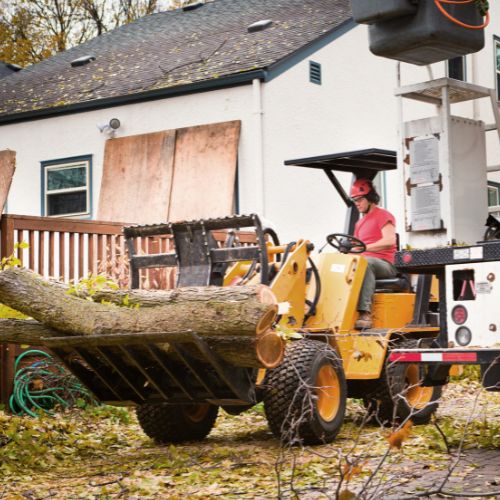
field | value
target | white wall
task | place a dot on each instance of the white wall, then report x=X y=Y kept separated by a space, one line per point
x=77 y=134
x=352 y=109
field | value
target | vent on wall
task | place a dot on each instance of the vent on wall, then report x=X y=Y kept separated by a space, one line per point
x=315 y=72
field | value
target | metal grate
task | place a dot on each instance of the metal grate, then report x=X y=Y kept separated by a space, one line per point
x=315 y=72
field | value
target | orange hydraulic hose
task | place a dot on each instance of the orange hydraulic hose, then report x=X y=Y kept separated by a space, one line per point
x=457 y=21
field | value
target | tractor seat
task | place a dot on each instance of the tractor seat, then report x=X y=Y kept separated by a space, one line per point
x=401 y=283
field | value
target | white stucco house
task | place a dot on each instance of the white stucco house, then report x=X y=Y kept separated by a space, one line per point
x=301 y=83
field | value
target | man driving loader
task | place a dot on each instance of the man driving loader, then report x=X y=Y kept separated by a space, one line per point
x=377 y=229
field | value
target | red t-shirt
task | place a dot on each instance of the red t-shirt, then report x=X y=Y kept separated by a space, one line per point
x=369 y=230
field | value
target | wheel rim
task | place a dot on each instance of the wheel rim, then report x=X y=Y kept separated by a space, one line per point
x=416 y=395
x=196 y=413
x=328 y=392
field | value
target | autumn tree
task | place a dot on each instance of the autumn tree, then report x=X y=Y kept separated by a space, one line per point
x=31 y=30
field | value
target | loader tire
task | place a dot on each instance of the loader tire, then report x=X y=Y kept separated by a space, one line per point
x=176 y=423
x=397 y=394
x=305 y=397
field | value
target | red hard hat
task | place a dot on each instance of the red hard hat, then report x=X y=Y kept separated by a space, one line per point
x=361 y=187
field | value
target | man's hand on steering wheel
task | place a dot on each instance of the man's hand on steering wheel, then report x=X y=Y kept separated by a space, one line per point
x=345 y=243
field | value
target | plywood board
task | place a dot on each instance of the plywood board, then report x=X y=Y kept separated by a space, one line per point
x=137 y=178
x=204 y=171
x=7 y=168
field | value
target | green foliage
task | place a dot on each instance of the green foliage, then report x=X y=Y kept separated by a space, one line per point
x=87 y=288
x=480 y=433
x=42 y=443
x=6 y=263
x=7 y=312
x=469 y=373
x=483 y=6
x=92 y=284
x=287 y=333
x=12 y=260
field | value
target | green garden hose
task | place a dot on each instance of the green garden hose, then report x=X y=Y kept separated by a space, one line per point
x=44 y=385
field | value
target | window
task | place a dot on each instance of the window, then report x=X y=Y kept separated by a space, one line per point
x=497 y=65
x=315 y=72
x=493 y=196
x=456 y=68
x=66 y=187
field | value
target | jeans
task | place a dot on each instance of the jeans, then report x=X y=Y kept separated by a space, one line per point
x=377 y=268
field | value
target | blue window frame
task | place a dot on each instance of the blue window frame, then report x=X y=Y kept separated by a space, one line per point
x=67 y=187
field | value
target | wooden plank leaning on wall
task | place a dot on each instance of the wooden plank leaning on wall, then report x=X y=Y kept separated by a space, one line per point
x=205 y=171
x=136 y=179
x=172 y=175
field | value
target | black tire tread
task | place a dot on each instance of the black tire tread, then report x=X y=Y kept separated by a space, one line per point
x=286 y=390
x=379 y=397
x=170 y=424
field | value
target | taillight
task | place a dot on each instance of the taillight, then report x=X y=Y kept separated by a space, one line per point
x=459 y=315
x=463 y=336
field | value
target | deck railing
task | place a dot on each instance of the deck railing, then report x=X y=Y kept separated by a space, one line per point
x=66 y=249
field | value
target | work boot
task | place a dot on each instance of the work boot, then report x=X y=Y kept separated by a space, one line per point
x=364 y=320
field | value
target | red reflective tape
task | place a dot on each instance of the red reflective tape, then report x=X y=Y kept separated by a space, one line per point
x=459 y=356
x=405 y=356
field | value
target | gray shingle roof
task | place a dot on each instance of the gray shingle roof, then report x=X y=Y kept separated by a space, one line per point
x=172 y=49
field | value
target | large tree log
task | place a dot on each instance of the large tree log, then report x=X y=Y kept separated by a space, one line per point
x=24 y=331
x=220 y=315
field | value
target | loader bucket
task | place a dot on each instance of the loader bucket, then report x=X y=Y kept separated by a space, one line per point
x=199 y=258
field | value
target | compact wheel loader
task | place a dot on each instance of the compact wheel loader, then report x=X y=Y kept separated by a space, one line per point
x=325 y=359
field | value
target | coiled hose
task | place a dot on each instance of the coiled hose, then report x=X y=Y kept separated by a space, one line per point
x=44 y=385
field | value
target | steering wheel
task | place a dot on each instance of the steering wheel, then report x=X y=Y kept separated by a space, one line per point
x=356 y=245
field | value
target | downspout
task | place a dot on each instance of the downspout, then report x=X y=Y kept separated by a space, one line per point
x=258 y=147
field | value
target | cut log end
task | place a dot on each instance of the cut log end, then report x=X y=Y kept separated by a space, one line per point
x=267 y=320
x=266 y=295
x=270 y=349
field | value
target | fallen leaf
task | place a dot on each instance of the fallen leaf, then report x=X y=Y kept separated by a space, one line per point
x=397 y=438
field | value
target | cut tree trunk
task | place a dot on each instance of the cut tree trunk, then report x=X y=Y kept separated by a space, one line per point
x=235 y=321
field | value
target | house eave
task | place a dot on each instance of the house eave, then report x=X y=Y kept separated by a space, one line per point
x=150 y=95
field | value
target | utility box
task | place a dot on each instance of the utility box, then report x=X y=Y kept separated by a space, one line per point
x=445 y=173
x=418 y=33
x=375 y=11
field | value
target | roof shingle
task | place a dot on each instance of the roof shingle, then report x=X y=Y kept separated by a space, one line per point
x=172 y=49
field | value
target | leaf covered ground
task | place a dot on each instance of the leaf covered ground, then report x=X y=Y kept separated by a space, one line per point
x=101 y=452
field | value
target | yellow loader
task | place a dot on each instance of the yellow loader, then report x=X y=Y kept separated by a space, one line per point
x=325 y=361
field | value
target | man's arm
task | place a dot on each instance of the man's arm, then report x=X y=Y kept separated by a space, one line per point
x=387 y=241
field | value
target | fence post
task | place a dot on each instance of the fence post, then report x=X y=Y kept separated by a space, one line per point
x=7 y=351
x=7 y=235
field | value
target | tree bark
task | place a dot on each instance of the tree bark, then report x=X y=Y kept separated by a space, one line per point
x=235 y=321
x=24 y=331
